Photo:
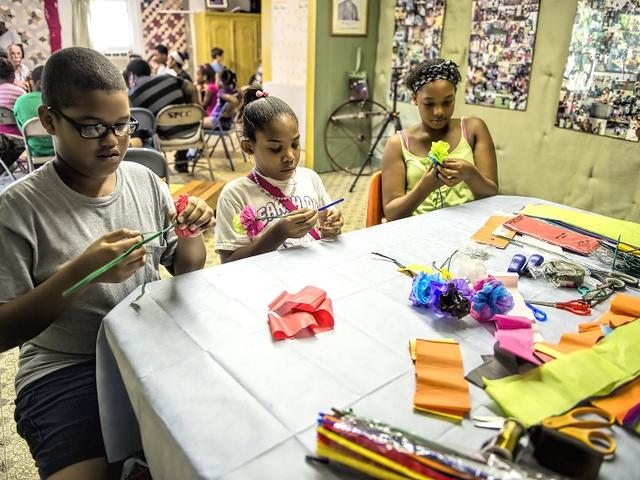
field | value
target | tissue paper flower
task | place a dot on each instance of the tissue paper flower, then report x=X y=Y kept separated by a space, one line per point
x=450 y=299
x=421 y=287
x=439 y=151
x=491 y=298
x=180 y=204
x=245 y=222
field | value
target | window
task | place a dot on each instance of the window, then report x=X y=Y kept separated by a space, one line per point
x=112 y=26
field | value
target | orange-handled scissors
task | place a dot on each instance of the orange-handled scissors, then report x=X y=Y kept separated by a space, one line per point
x=585 y=424
x=579 y=307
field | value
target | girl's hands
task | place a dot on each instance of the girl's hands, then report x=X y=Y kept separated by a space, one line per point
x=453 y=171
x=331 y=222
x=298 y=223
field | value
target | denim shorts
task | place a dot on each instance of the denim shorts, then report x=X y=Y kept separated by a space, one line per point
x=58 y=417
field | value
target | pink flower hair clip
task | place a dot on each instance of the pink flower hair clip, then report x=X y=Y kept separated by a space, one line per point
x=262 y=94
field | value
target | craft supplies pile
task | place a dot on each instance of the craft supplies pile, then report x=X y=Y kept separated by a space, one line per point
x=589 y=379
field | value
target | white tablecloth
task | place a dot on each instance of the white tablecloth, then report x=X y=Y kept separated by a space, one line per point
x=215 y=397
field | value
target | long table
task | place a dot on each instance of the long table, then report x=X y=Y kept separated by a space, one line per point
x=196 y=377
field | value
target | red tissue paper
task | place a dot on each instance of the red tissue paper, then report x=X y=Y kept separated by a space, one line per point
x=180 y=204
x=307 y=312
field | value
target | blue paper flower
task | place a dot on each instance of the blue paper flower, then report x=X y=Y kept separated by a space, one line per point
x=421 y=288
x=490 y=299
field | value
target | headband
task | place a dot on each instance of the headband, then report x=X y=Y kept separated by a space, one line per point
x=177 y=57
x=446 y=70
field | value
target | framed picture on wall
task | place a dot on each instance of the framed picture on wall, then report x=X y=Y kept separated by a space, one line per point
x=217 y=4
x=349 y=18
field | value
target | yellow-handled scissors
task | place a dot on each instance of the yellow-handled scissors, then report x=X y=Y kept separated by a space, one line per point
x=585 y=424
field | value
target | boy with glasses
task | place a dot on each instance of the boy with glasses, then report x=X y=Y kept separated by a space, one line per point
x=62 y=222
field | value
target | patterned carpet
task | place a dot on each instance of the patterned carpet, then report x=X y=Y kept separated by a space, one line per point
x=15 y=460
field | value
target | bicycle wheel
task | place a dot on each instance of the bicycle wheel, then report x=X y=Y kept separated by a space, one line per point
x=350 y=131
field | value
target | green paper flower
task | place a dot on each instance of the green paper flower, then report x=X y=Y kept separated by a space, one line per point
x=237 y=224
x=439 y=151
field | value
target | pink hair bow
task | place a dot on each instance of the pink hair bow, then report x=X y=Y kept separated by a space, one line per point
x=262 y=93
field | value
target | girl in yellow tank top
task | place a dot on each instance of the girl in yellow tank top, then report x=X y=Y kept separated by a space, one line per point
x=410 y=183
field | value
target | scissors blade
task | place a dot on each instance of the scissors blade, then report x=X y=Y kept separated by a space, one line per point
x=491 y=423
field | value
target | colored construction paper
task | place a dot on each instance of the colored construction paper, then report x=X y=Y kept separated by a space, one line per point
x=515 y=338
x=440 y=384
x=571 y=342
x=309 y=311
x=520 y=309
x=619 y=403
x=557 y=386
x=486 y=236
x=623 y=304
x=576 y=242
x=611 y=228
x=499 y=365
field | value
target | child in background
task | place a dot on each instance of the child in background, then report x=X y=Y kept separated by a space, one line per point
x=410 y=183
x=60 y=223
x=217 y=57
x=276 y=186
x=227 y=95
x=207 y=88
x=26 y=108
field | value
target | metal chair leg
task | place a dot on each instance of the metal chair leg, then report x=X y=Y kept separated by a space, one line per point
x=226 y=152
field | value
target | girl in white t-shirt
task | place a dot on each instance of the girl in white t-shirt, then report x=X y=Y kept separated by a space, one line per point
x=276 y=205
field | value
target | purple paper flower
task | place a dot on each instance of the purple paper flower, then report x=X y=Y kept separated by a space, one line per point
x=450 y=299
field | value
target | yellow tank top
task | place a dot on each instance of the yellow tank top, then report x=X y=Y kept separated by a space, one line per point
x=416 y=166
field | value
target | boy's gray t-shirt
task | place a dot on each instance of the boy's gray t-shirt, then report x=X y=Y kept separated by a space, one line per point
x=44 y=224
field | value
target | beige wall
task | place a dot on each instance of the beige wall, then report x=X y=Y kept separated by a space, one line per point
x=534 y=157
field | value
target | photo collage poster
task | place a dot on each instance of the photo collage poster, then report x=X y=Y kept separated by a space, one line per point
x=417 y=36
x=503 y=35
x=600 y=91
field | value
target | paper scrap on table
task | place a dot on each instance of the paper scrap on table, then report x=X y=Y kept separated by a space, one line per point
x=611 y=228
x=486 y=236
x=440 y=384
x=515 y=335
x=308 y=311
x=621 y=401
x=520 y=309
x=557 y=386
x=576 y=242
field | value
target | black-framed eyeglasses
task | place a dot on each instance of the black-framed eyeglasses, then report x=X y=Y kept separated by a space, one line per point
x=99 y=130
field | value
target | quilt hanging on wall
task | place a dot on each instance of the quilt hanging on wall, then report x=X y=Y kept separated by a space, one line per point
x=600 y=91
x=503 y=34
x=28 y=20
x=417 y=36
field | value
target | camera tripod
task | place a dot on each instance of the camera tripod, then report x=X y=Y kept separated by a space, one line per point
x=391 y=117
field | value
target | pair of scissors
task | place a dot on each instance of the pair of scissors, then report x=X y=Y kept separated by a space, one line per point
x=585 y=424
x=539 y=315
x=617 y=280
x=578 y=307
x=596 y=295
x=489 y=422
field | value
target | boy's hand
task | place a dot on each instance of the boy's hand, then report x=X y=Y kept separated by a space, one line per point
x=298 y=223
x=331 y=222
x=108 y=247
x=197 y=216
